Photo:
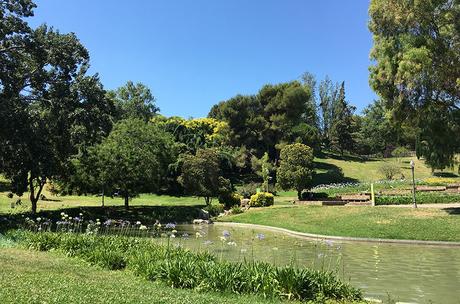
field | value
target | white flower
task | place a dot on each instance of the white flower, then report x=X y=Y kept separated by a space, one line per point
x=70 y=218
x=143 y=227
x=174 y=231
x=39 y=219
x=138 y=223
x=231 y=244
x=172 y=236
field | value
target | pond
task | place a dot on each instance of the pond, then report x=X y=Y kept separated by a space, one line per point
x=409 y=273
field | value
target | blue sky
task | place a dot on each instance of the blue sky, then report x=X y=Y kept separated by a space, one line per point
x=193 y=54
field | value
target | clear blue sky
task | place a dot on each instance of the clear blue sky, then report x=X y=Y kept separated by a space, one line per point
x=193 y=54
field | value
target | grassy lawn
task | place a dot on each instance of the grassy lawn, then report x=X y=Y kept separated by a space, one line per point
x=356 y=170
x=370 y=222
x=38 y=277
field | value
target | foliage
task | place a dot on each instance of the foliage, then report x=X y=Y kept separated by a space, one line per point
x=341 y=130
x=181 y=268
x=440 y=180
x=230 y=199
x=277 y=115
x=417 y=69
x=214 y=209
x=86 y=284
x=236 y=210
x=134 y=158
x=202 y=176
x=133 y=101
x=296 y=168
x=421 y=198
x=194 y=134
x=389 y=170
x=249 y=189
x=50 y=108
x=263 y=168
x=262 y=199
x=400 y=152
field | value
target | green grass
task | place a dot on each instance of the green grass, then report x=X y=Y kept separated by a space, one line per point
x=356 y=170
x=367 y=222
x=37 y=277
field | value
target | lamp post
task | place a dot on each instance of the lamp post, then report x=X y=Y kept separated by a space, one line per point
x=412 y=167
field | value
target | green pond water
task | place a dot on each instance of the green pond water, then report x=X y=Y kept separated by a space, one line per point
x=409 y=273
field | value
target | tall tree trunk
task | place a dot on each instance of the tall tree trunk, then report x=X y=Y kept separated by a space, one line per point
x=299 y=194
x=126 y=201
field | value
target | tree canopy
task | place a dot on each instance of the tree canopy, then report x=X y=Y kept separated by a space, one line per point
x=417 y=67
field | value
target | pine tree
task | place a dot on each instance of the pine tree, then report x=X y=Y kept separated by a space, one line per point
x=341 y=128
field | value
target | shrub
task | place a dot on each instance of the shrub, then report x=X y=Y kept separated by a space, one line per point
x=214 y=209
x=389 y=170
x=247 y=190
x=236 y=210
x=262 y=199
x=400 y=152
x=229 y=200
x=421 y=198
x=181 y=268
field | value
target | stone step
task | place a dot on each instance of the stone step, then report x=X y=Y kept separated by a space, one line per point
x=355 y=197
x=367 y=203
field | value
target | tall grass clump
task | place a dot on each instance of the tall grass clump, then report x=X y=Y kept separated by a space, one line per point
x=181 y=268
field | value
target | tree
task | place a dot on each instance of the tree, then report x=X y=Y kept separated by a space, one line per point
x=50 y=109
x=277 y=115
x=202 y=176
x=263 y=168
x=417 y=66
x=134 y=158
x=328 y=93
x=296 y=168
x=134 y=101
x=341 y=133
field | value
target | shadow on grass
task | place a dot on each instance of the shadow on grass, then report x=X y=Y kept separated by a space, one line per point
x=5 y=186
x=452 y=211
x=346 y=157
x=445 y=174
x=331 y=174
x=145 y=214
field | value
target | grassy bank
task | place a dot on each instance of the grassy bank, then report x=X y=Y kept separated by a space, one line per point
x=367 y=222
x=182 y=268
x=333 y=168
x=38 y=277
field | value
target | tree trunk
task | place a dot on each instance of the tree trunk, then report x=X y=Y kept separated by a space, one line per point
x=126 y=201
x=299 y=194
x=34 y=198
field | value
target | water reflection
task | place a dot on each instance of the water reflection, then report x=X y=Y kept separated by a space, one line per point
x=418 y=274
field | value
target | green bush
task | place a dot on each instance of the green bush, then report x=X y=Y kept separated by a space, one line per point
x=421 y=198
x=229 y=200
x=389 y=171
x=181 y=268
x=214 y=209
x=236 y=210
x=247 y=190
x=262 y=199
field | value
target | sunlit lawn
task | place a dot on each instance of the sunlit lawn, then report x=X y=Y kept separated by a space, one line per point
x=369 y=222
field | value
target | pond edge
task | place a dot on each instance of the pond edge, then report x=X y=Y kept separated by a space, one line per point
x=311 y=236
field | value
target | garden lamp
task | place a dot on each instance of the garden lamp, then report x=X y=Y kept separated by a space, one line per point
x=412 y=167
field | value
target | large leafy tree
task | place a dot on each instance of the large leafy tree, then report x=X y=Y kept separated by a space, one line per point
x=417 y=66
x=202 y=175
x=296 y=168
x=134 y=158
x=134 y=100
x=50 y=109
x=277 y=115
